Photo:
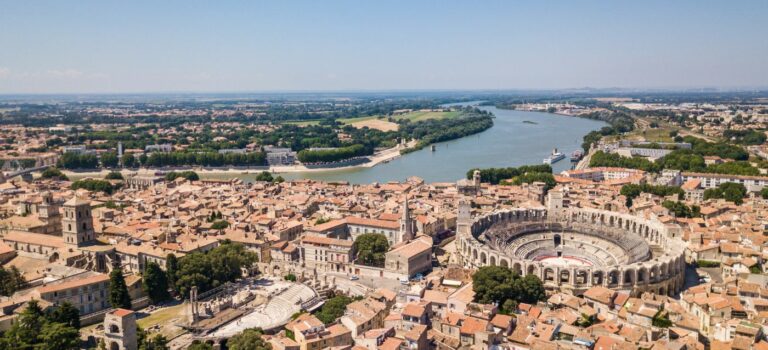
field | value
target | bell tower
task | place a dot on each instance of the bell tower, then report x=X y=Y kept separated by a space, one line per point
x=77 y=223
x=406 y=223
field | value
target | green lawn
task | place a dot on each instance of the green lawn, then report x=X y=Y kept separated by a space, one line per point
x=302 y=122
x=424 y=115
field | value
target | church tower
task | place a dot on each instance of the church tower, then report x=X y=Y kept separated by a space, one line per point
x=77 y=222
x=406 y=223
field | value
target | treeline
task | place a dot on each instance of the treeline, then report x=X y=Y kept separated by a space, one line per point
x=78 y=161
x=745 y=137
x=730 y=191
x=496 y=175
x=160 y=159
x=333 y=155
x=438 y=130
x=619 y=122
x=95 y=185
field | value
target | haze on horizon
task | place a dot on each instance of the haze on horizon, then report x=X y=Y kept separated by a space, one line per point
x=241 y=46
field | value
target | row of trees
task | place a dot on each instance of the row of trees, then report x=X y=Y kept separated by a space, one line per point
x=160 y=159
x=188 y=175
x=730 y=191
x=632 y=191
x=335 y=154
x=438 y=130
x=683 y=160
x=497 y=175
x=78 y=161
x=681 y=210
x=95 y=185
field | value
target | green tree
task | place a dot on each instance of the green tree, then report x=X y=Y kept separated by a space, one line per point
x=496 y=284
x=25 y=333
x=220 y=225
x=11 y=280
x=213 y=268
x=155 y=283
x=371 y=249
x=54 y=173
x=109 y=159
x=198 y=345
x=764 y=193
x=114 y=175
x=249 y=339
x=58 y=336
x=264 y=176
x=730 y=191
x=333 y=309
x=129 y=161
x=67 y=314
x=118 y=291
x=158 y=342
x=171 y=269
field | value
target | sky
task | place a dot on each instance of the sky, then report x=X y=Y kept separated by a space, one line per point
x=327 y=45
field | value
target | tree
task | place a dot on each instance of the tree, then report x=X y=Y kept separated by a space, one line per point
x=58 y=336
x=333 y=309
x=220 y=225
x=95 y=185
x=764 y=193
x=158 y=342
x=109 y=159
x=129 y=161
x=249 y=339
x=118 y=291
x=67 y=314
x=198 y=345
x=54 y=173
x=264 y=176
x=496 y=284
x=26 y=332
x=155 y=283
x=11 y=280
x=371 y=248
x=213 y=268
x=730 y=191
x=114 y=175
x=171 y=269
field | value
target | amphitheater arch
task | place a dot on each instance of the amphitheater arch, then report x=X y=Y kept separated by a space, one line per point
x=503 y=262
x=597 y=277
x=493 y=260
x=629 y=276
x=582 y=277
x=517 y=268
x=531 y=269
x=565 y=276
x=474 y=254
x=613 y=278
x=642 y=275
x=483 y=258
x=654 y=276
x=662 y=291
x=549 y=274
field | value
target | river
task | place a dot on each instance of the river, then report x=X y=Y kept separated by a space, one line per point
x=510 y=142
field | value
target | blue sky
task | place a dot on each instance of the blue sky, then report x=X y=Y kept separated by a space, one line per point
x=178 y=46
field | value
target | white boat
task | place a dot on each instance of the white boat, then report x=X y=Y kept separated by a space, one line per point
x=554 y=157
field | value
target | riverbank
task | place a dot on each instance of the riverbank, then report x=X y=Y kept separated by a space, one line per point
x=376 y=159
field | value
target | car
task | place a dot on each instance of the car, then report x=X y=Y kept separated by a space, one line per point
x=354 y=278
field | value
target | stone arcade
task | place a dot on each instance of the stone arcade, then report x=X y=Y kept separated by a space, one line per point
x=574 y=249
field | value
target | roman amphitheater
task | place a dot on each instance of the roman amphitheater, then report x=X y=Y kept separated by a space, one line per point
x=573 y=249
